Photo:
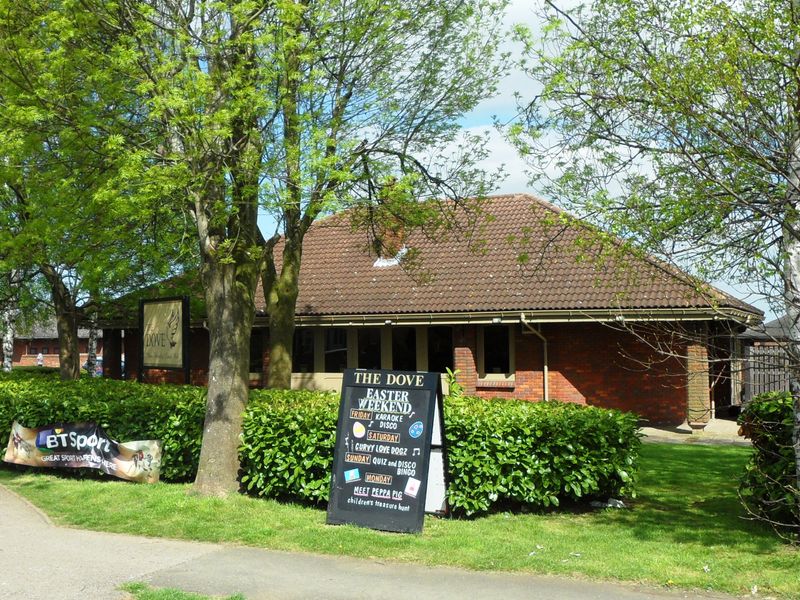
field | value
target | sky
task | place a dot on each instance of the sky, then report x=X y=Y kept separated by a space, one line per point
x=503 y=107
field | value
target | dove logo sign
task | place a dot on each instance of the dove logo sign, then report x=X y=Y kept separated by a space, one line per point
x=164 y=327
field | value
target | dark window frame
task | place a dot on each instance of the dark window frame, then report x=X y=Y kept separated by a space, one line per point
x=301 y=351
x=335 y=351
x=370 y=355
x=497 y=354
x=400 y=361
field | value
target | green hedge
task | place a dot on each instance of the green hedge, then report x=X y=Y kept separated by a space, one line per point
x=287 y=444
x=126 y=410
x=501 y=452
x=769 y=487
x=29 y=371
x=537 y=454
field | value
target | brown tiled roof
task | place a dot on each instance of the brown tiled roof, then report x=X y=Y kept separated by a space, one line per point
x=526 y=257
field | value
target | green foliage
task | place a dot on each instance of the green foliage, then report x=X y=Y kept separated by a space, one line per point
x=768 y=489
x=536 y=454
x=673 y=124
x=25 y=372
x=454 y=388
x=65 y=221
x=61 y=205
x=127 y=411
x=288 y=441
x=501 y=452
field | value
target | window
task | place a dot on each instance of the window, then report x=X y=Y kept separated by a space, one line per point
x=404 y=349
x=369 y=348
x=45 y=350
x=496 y=354
x=303 y=350
x=440 y=349
x=335 y=350
x=33 y=350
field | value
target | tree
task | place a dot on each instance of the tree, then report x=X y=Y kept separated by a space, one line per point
x=678 y=125
x=64 y=113
x=298 y=108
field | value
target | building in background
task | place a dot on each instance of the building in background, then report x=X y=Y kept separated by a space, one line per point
x=531 y=306
x=43 y=338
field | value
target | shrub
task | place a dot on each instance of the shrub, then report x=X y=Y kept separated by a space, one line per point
x=28 y=372
x=500 y=451
x=536 y=454
x=287 y=444
x=768 y=489
x=126 y=410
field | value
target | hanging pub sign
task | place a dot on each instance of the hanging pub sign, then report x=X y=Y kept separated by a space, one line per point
x=76 y=445
x=164 y=329
x=384 y=471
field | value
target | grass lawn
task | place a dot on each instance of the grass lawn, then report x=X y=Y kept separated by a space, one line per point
x=141 y=591
x=685 y=529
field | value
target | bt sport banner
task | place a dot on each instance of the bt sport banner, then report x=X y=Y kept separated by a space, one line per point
x=74 y=445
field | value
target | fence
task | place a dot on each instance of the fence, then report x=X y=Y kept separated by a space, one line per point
x=766 y=369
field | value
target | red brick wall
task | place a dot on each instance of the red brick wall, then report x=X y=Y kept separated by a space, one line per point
x=130 y=348
x=464 y=356
x=589 y=364
x=264 y=333
x=597 y=365
x=198 y=361
x=24 y=357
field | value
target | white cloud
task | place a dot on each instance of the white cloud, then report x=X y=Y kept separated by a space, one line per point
x=503 y=104
x=502 y=154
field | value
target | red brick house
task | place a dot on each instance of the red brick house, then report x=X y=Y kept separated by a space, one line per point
x=532 y=306
x=43 y=338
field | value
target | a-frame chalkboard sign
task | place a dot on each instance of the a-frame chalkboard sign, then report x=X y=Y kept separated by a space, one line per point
x=387 y=421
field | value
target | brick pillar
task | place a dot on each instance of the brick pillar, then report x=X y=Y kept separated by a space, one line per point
x=464 y=357
x=698 y=399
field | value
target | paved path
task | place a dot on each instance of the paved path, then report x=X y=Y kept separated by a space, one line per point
x=39 y=561
x=717 y=432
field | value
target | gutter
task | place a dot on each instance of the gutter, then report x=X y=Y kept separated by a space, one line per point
x=536 y=316
x=545 y=366
x=742 y=317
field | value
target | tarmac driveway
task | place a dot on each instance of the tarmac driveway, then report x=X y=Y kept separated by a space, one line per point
x=39 y=561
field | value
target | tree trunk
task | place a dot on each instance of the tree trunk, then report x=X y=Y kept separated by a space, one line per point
x=66 y=324
x=91 y=349
x=281 y=299
x=10 y=315
x=229 y=293
x=792 y=298
x=9 y=331
x=791 y=248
